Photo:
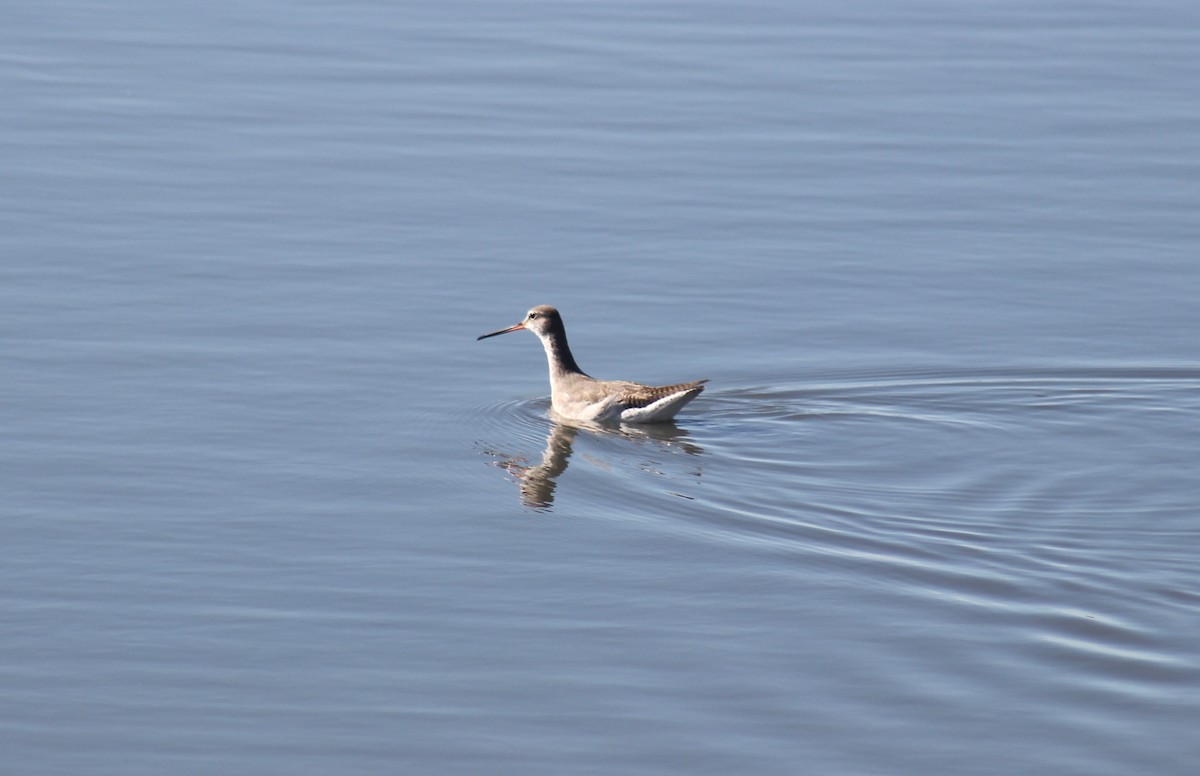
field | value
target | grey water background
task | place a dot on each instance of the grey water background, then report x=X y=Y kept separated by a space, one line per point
x=269 y=508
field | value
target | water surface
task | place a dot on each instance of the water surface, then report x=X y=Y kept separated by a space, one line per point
x=269 y=506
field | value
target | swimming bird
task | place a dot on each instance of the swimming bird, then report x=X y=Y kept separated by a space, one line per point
x=578 y=396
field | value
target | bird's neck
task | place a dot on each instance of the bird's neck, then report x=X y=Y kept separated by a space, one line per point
x=558 y=353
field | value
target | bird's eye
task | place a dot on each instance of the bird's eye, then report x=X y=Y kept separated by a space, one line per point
x=532 y=316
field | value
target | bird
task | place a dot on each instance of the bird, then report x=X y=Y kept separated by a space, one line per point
x=575 y=395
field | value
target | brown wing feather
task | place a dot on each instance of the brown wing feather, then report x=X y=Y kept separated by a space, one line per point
x=645 y=395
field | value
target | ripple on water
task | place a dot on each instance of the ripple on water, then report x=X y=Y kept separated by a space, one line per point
x=1053 y=511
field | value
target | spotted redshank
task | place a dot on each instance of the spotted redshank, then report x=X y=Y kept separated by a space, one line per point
x=578 y=396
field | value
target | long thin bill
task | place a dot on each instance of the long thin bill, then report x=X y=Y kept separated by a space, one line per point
x=502 y=331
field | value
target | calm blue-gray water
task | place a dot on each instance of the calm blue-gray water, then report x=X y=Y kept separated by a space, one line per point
x=270 y=508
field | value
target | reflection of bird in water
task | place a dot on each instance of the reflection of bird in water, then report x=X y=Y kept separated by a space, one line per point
x=578 y=396
x=537 y=483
